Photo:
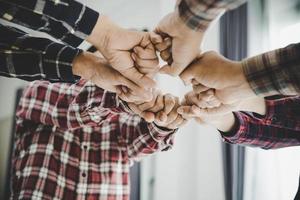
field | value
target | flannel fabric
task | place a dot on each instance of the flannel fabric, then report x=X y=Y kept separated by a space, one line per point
x=280 y=127
x=77 y=142
x=31 y=58
x=198 y=14
x=275 y=72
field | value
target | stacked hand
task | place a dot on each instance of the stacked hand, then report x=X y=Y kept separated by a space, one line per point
x=130 y=64
x=162 y=110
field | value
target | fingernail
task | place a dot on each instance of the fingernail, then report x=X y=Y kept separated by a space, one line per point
x=133 y=57
x=125 y=89
x=180 y=110
x=135 y=49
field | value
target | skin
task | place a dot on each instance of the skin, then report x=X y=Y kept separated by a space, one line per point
x=119 y=47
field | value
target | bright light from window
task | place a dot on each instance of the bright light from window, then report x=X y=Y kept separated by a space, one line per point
x=289 y=35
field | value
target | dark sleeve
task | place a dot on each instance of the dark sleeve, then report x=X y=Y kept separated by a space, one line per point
x=31 y=58
x=280 y=127
x=66 y=20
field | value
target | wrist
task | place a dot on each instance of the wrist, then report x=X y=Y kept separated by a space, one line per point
x=82 y=65
x=101 y=31
x=226 y=123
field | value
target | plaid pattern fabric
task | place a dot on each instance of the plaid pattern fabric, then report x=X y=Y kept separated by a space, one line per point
x=77 y=142
x=66 y=20
x=30 y=58
x=198 y=14
x=280 y=127
x=275 y=72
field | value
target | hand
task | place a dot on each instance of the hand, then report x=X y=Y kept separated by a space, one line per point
x=169 y=117
x=145 y=58
x=212 y=70
x=193 y=105
x=185 y=43
x=161 y=110
x=96 y=69
x=116 y=45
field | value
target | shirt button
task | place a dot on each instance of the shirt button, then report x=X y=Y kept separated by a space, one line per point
x=83 y=174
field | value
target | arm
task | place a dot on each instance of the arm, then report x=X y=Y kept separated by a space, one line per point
x=141 y=138
x=198 y=14
x=68 y=21
x=278 y=128
x=67 y=106
x=30 y=58
x=274 y=72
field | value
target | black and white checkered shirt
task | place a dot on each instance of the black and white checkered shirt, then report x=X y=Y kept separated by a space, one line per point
x=31 y=58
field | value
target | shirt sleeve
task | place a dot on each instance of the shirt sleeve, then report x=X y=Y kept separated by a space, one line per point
x=31 y=58
x=280 y=127
x=66 y=20
x=198 y=14
x=275 y=72
x=67 y=106
x=141 y=138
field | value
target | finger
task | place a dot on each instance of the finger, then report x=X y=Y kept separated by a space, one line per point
x=166 y=55
x=145 y=63
x=221 y=110
x=129 y=97
x=208 y=95
x=148 y=105
x=159 y=104
x=172 y=116
x=188 y=75
x=186 y=111
x=156 y=38
x=147 y=54
x=167 y=69
x=166 y=44
x=161 y=117
x=148 y=116
x=139 y=79
x=169 y=103
x=200 y=88
x=175 y=124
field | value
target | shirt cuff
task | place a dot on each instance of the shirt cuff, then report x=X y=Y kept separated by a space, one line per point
x=274 y=72
x=240 y=128
x=193 y=20
x=80 y=21
x=259 y=76
x=159 y=134
x=58 y=61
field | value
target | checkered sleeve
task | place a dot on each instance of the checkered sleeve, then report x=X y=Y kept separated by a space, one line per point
x=31 y=58
x=275 y=72
x=280 y=127
x=66 y=20
x=67 y=106
x=141 y=138
x=198 y=14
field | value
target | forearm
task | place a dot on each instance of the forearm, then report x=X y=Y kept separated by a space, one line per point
x=274 y=72
x=31 y=58
x=227 y=122
x=144 y=138
x=198 y=15
x=70 y=22
x=278 y=128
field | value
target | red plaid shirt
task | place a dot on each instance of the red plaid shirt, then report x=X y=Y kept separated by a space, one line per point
x=77 y=142
x=280 y=127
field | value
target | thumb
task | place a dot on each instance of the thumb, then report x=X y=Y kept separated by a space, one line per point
x=187 y=76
